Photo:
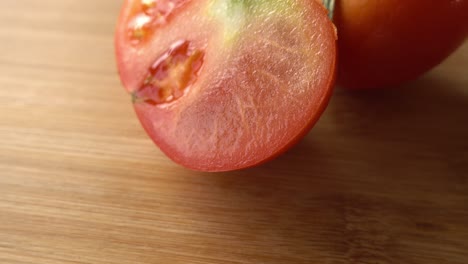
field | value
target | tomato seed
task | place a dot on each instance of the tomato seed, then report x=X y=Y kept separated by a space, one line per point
x=171 y=75
x=153 y=13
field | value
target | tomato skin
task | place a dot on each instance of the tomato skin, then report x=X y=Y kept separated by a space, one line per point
x=264 y=82
x=388 y=42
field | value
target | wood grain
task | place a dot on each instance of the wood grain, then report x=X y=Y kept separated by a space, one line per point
x=382 y=178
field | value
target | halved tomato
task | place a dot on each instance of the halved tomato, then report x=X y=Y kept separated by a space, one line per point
x=388 y=42
x=226 y=84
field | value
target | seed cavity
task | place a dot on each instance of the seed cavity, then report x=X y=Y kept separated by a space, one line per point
x=172 y=74
x=150 y=15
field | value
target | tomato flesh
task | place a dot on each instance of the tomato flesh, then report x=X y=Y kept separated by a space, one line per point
x=229 y=84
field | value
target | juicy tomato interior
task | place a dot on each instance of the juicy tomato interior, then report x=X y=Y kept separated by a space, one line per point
x=388 y=42
x=226 y=84
x=171 y=75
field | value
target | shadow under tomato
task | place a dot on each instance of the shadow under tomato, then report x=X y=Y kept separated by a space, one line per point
x=362 y=184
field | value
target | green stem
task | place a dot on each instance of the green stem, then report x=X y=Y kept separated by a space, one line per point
x=330 y=5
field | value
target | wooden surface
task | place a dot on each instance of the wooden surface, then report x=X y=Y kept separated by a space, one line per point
x=382 y=178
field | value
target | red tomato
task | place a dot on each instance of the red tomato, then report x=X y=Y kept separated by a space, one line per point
x=226 y=84
x=387 y=42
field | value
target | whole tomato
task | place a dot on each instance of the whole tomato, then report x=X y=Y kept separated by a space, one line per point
x=384 y=43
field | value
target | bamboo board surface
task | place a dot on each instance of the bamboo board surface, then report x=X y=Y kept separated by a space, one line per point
x=382 y=178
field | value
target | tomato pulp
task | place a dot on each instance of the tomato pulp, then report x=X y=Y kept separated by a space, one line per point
x=385 y=43
x=226 y=84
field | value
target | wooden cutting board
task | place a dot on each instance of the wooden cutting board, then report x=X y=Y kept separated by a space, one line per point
x=382 y=178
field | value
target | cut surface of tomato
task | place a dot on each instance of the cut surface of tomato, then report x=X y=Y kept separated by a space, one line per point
x=221 y=85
